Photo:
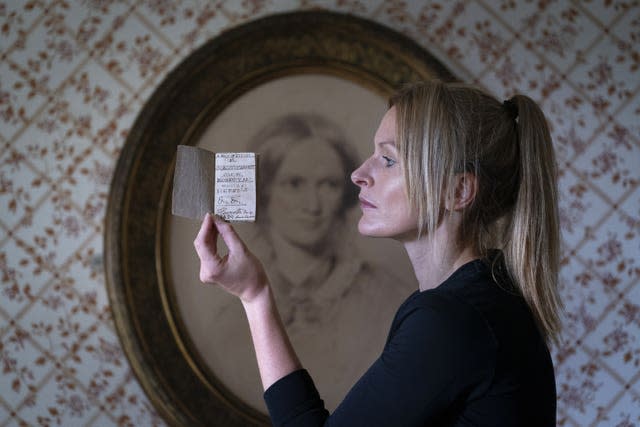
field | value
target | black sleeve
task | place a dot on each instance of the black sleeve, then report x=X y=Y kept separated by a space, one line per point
x=294 y=401
x=431 y=357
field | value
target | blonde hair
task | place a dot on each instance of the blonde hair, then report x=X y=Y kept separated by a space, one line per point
x=445 y=129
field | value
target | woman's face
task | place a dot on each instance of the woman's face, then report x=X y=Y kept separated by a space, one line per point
x=307 y=194
x=383 y=199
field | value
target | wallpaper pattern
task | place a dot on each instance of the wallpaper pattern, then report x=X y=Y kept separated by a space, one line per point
x=75 y=73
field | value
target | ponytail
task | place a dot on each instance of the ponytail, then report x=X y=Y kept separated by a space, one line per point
x=532 y=249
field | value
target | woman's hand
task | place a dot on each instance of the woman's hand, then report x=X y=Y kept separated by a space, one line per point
x=239 y=272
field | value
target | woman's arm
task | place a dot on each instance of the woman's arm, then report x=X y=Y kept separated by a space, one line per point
x=276 y=357
x=423 y=368
x=241 y=274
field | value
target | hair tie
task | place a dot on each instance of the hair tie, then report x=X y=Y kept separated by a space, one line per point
x=511 y=108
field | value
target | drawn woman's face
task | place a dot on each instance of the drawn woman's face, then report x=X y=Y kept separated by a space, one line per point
x=307 y=194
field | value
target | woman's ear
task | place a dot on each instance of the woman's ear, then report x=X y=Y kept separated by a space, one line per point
x=466 y=188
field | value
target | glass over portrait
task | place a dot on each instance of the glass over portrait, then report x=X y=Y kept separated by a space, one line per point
x=337 y=291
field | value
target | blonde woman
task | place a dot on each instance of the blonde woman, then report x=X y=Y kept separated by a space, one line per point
x=468 y=185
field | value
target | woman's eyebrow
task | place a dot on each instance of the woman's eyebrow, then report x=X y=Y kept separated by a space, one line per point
x=390 y=143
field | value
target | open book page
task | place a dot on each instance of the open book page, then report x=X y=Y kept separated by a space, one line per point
x=221 y=183
x=235 y=189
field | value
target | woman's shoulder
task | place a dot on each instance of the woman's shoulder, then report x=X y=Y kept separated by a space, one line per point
x=442 y=314
x=437 y=327
x=481 y=287
x=479 y=301
x=464 y=305
x=454 y=294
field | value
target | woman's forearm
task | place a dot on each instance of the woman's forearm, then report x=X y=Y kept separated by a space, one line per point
x=275 y=355
x=241 y=274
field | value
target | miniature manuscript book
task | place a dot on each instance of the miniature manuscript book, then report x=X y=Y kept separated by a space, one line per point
x=221 y=183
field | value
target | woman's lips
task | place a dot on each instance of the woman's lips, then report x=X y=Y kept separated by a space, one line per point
x=365 y=204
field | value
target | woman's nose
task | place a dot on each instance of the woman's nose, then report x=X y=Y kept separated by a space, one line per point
x=360 y=177
x=312 y=201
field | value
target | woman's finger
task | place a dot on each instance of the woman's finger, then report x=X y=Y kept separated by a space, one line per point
x=204 y=227
x=229 y=235
x=205 y=242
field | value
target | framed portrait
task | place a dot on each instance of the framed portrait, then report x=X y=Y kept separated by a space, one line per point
x=306 y=91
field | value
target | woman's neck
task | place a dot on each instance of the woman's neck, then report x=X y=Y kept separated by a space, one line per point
x=435 y=258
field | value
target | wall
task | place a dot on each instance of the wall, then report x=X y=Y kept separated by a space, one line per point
x=74 y=74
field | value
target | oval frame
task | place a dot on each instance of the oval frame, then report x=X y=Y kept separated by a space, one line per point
x=176 y=381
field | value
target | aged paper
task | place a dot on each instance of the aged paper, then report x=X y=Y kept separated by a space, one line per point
x=235 y=187
x=222 y=183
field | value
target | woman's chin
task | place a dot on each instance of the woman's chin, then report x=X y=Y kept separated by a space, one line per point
x=369 y=230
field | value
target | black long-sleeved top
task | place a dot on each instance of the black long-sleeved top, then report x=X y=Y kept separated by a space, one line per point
x=466 y=353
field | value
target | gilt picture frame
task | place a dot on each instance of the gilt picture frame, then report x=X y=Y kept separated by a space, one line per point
x=234 y=75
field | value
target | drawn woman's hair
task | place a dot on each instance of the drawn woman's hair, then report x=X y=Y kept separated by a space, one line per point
x=275 y=140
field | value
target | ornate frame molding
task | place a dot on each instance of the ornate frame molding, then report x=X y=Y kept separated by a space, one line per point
x=181 y=388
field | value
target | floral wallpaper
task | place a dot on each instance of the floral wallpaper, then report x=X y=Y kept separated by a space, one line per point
x=75 y=73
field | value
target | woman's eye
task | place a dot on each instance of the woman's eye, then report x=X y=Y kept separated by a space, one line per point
x=293 y=183
x=332 y=184
x=388 y=161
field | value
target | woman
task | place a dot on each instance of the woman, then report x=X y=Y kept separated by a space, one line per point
x=320 y=281
x=454 y=175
